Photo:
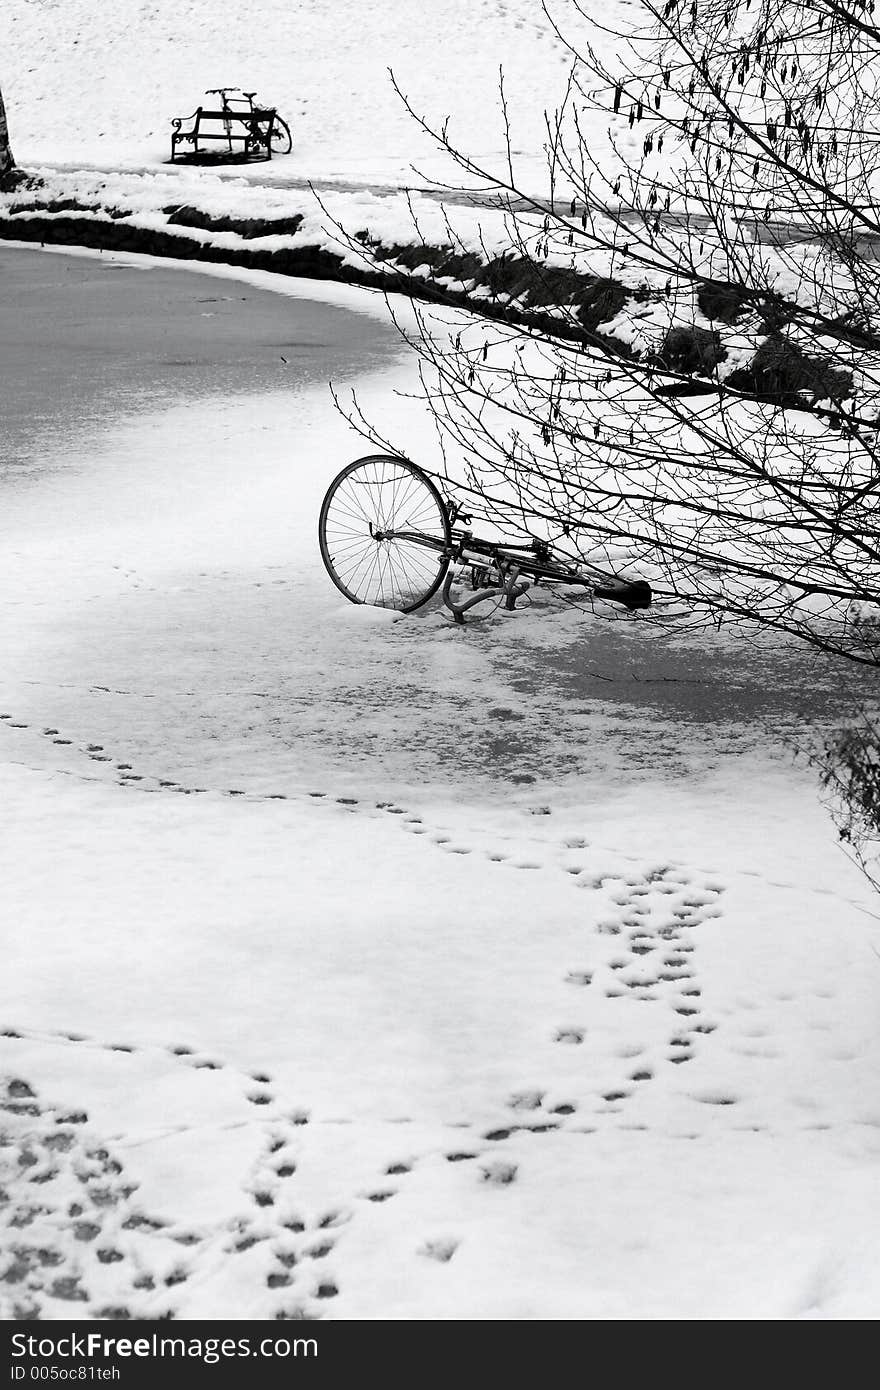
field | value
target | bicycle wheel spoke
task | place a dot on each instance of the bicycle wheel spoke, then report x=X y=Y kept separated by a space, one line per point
x=360 y=505
x=359 y=520
x=424 y=515
x=402 y=582
x=362 y=576
x=386 y=575
x=349 y=566
x=350 y=542
x=416 y=562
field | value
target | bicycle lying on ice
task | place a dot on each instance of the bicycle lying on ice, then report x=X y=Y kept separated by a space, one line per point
x=389 y=537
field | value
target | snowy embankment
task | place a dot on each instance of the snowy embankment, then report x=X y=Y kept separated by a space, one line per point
x=405 y=242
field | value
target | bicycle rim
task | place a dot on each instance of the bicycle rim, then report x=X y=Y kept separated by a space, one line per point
x=282 y=140
x=375 y=495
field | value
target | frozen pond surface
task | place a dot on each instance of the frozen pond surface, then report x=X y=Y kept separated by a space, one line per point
x=162 y=474
x=85 y=340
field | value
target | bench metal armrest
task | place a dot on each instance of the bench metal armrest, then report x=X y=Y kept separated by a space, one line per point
x=178 y=121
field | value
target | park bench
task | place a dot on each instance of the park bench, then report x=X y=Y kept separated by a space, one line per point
x=223 y=136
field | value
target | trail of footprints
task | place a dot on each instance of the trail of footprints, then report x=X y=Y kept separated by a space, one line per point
x=650 y=925
x=76 y=1240
x=653 y=925
x=653 y=920
x=75 y=1235
x=654 y=911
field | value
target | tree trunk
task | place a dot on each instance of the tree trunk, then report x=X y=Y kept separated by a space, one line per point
x=7 y=163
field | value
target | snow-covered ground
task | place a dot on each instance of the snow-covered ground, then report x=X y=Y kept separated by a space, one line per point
x=368 y=967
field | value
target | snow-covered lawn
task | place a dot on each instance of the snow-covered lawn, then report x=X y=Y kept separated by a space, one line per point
x=368 y=967
x=83 y=83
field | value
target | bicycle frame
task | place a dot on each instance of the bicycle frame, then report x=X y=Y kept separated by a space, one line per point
x=226 y=104
x=517 y=569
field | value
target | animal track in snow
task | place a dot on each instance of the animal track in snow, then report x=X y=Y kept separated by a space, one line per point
x=440 y=1248
x=644 y=953
x=525 y=1100
x=579 y=977
x=89 y=1225
x=84 y=1236
x=572 y=1036
x=499 y=1173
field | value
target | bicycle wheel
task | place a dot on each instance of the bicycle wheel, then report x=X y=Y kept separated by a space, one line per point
x=384 y=532
x=282 y=140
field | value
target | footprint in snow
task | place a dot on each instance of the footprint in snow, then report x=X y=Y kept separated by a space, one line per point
x=440 y=1248
x=499 y=1173
x=525 y=1100
x=332 y=1219
x=572 y=1036
x=578 y=977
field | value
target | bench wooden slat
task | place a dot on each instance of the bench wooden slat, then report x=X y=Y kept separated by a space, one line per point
x=262 y=113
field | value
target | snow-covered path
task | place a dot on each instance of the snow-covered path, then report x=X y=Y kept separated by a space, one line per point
x=371 y=968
